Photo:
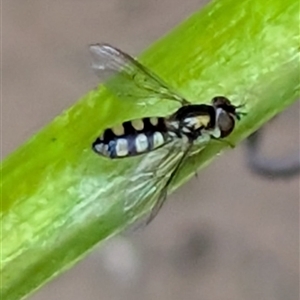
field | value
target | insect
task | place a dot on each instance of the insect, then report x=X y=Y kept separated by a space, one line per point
x=192 y=125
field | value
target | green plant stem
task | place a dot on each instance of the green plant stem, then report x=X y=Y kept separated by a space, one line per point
x=59 y=199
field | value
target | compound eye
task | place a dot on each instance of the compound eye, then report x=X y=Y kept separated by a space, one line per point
x=220 y=101
x=226 y=124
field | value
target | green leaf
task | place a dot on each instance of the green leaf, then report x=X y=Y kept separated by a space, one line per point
x=59 y=198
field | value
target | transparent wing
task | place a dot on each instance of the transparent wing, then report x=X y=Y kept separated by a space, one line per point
x=132 y=80
x=150 y=181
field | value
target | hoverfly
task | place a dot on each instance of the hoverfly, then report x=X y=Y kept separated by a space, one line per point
x=191 y=125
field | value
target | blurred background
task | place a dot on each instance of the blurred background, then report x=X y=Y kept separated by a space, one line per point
x=228 y=234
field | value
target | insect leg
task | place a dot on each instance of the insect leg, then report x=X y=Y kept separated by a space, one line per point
x=224 y=142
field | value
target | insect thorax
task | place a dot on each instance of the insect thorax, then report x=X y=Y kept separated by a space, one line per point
x=192 y=121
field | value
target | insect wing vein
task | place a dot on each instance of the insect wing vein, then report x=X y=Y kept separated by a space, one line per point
x=136 y=80
x=151 y=176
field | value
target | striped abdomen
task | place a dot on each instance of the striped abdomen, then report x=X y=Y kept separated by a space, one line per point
x=132 y=138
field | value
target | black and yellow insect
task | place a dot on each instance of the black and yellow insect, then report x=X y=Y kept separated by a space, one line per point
x=191 y=125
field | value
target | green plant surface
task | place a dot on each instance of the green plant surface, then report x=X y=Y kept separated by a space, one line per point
x=59 y=199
